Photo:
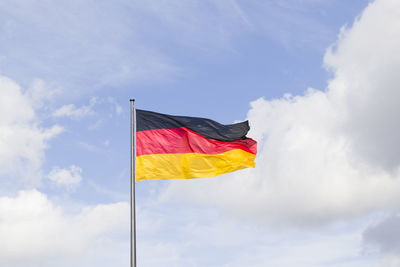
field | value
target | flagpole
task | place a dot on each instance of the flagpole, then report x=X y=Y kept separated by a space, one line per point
x=133 y=179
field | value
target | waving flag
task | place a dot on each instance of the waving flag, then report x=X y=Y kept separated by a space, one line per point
x=179 y=147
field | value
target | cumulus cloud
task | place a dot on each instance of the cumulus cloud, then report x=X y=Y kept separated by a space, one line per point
x=365 y=89
x=22 y=139
x=39 y=92
x=33 y=228
x=325 y=155
x=69 y=178
x=194 y=231
x=41 y=233
x=72 y=111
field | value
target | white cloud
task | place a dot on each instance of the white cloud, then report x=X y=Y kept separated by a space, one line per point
x=324 y=156
x=39 y=92
x=365 y=89
x=72 y=111
x=69 y=178
x=22 y=139
x=35 y=230
x=181 y=235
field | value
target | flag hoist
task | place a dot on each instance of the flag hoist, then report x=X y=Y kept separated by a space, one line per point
x=180 y=147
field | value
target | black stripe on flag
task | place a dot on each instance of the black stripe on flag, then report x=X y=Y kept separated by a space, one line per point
x=149 y=120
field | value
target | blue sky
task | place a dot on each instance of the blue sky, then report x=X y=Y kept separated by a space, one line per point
x=316 y=79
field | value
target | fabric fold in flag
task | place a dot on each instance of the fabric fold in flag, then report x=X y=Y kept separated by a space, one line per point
x=180 y=147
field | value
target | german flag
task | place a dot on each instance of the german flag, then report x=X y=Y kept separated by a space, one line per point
x=179 y=147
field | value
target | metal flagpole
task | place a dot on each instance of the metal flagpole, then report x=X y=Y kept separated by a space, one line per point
x=133 y=179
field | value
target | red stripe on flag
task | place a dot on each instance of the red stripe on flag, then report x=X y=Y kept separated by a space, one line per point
x=183 y=140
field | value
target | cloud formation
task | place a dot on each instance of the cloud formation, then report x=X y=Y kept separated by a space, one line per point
x=385 y=236
x=69 y=178
x=72 y=111
x=325 y=155
x=22 y=138
x=41 y=233
x=34 y=228
x=365 y=89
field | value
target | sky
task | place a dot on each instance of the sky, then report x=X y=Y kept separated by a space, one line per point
x=317 y=80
